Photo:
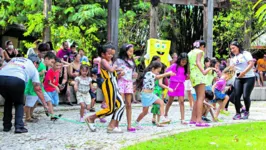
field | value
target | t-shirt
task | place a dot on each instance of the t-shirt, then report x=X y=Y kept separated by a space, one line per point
x=261 y=65
x=22 y=68
x=52 y=76
x=158 y=90
x=180 y=73
x=149 y=81
x=83 y=84
x=240 y=61
x=71 y=56
x=220 y=84
x=209 y=78
x=63 y=54
x=126 y=68
x=29 y=90
x=84 y=59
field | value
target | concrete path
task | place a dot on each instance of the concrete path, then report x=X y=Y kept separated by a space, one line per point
x=68 y=135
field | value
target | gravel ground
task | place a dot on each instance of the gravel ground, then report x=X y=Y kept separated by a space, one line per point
x=70 y=134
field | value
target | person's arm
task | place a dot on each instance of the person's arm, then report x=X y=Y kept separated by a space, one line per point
x=170 y=73
x=65 y=76
x=106 y=66
x=42 y=72
x=164 y=86
x=70 y=71
x=56 y=87
x=76 y=85
x=38 y=91
x=7 y=58
x=199 y=65
x=250 y=65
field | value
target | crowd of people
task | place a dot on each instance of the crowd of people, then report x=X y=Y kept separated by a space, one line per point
x=47 y=73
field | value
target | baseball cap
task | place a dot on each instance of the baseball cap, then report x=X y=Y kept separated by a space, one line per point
x=34 y=58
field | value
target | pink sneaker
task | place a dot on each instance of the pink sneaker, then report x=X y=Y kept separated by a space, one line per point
x=102 y=120
x=131 y=129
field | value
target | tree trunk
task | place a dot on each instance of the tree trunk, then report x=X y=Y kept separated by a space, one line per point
x=154 y=22
x=247 y=36
x=47 y=6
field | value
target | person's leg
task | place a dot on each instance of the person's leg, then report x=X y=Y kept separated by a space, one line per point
x=190 y=99
x=261 y=77
x=143 y=113
x=182 y=107
x=200 y=91
x=238 y=93
x=56 y=97
x=119 y=110
x=50 y=105
x=247 y=89
x=128 y=98
x=27 y=113
x=7 y=111
x=168 y=105
x=82 y=109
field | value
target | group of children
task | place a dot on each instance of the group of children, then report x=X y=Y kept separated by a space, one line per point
x=114 y=79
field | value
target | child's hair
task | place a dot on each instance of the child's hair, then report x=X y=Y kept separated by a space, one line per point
x=222 y=65
x=209 y=95
x=207 y=59
x=178 y=61
x=84 y=66
x=104 y=48
x=57 y=60
x=230 y=71
x=50 y=55
x=153 y=65
x=123 y=55
x=155 y=58
x=213 y=63
x=199 y=43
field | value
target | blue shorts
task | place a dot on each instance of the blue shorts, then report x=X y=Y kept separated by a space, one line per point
x=207 y=88
x=54 y=97
x=219 y=95
x=147 y=99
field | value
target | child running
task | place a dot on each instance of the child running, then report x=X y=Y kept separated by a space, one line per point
x=127 y=64
x=218 y=90
x=147 y=83
x=82 y=89
x=114 y=101
x=177 y=84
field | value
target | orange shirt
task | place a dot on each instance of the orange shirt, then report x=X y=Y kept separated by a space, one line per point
x=261 y=65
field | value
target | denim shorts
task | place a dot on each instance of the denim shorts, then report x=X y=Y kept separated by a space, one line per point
x=54 y=97
x=147 y=99
x=31 y=100
x=219 y=95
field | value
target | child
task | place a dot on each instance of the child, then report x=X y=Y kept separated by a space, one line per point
x=51 y=82
x=189 y=89
x=93 y=90
x=31 y=96
x=151 y=73
x=82 y=89
x=114 y=101
x=218 y=90
x=197 y=78
x=127 y=64
x=158 y=90
x=208 y=106
x=177 y=84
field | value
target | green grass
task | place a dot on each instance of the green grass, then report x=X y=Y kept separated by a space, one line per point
x=231 y=137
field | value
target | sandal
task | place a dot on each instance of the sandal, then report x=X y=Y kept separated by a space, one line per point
x=183 y=122
x=92 y=110
x=114 y=130
x=32 y=120
x=131 y=129
x=153 y=122
x=202 y=124
x=192 y=122
x=90 y=125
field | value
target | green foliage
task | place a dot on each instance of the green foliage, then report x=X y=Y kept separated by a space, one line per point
x=261 y=11
x=237 y=136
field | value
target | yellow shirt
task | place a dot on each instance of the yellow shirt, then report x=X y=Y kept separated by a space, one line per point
x=261 y=65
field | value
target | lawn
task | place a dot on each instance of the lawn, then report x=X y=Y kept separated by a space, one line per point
x=231 y=137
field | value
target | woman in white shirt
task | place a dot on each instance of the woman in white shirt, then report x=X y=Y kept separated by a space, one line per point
x=245 y=78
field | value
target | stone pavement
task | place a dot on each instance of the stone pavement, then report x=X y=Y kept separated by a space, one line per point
x=68 y=135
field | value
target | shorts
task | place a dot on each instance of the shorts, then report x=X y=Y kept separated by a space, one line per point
x=178 y=89
x=219 y=95
x=54 y=97
x=194 y=95
x=83 y=98
x=99 y=95
x=155 y=109
x=147 y=99
x=188 y=85
x=31 y=100
x=124 y=86
x=93 y=95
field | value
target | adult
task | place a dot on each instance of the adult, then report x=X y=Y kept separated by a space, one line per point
x=73 y=52
x=245 y=78
x=83 y=58
x=261 y=67
x=10 y=51
x=12 y=85
x=64 y=52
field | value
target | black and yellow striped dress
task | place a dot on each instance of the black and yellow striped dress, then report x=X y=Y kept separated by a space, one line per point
x=112 y=97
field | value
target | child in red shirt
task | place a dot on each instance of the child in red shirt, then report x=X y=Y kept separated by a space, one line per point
x=51 y=82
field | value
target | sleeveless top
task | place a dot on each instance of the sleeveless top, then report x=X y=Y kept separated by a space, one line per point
x=196 y=76
x=10 y=55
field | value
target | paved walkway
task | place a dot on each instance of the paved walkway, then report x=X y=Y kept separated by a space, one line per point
x=68 y=135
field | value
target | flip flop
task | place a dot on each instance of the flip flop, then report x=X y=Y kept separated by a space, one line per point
x=90 y=125
x=114 y=130
x=202 y=125
x=192 y=122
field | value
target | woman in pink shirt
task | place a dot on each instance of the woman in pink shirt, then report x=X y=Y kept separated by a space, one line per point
x=177 y=84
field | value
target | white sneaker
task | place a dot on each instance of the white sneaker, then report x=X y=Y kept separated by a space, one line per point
x=81 y=120
x=164 y=120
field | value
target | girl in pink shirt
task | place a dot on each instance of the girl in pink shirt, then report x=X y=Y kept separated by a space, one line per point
x=177 y=84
